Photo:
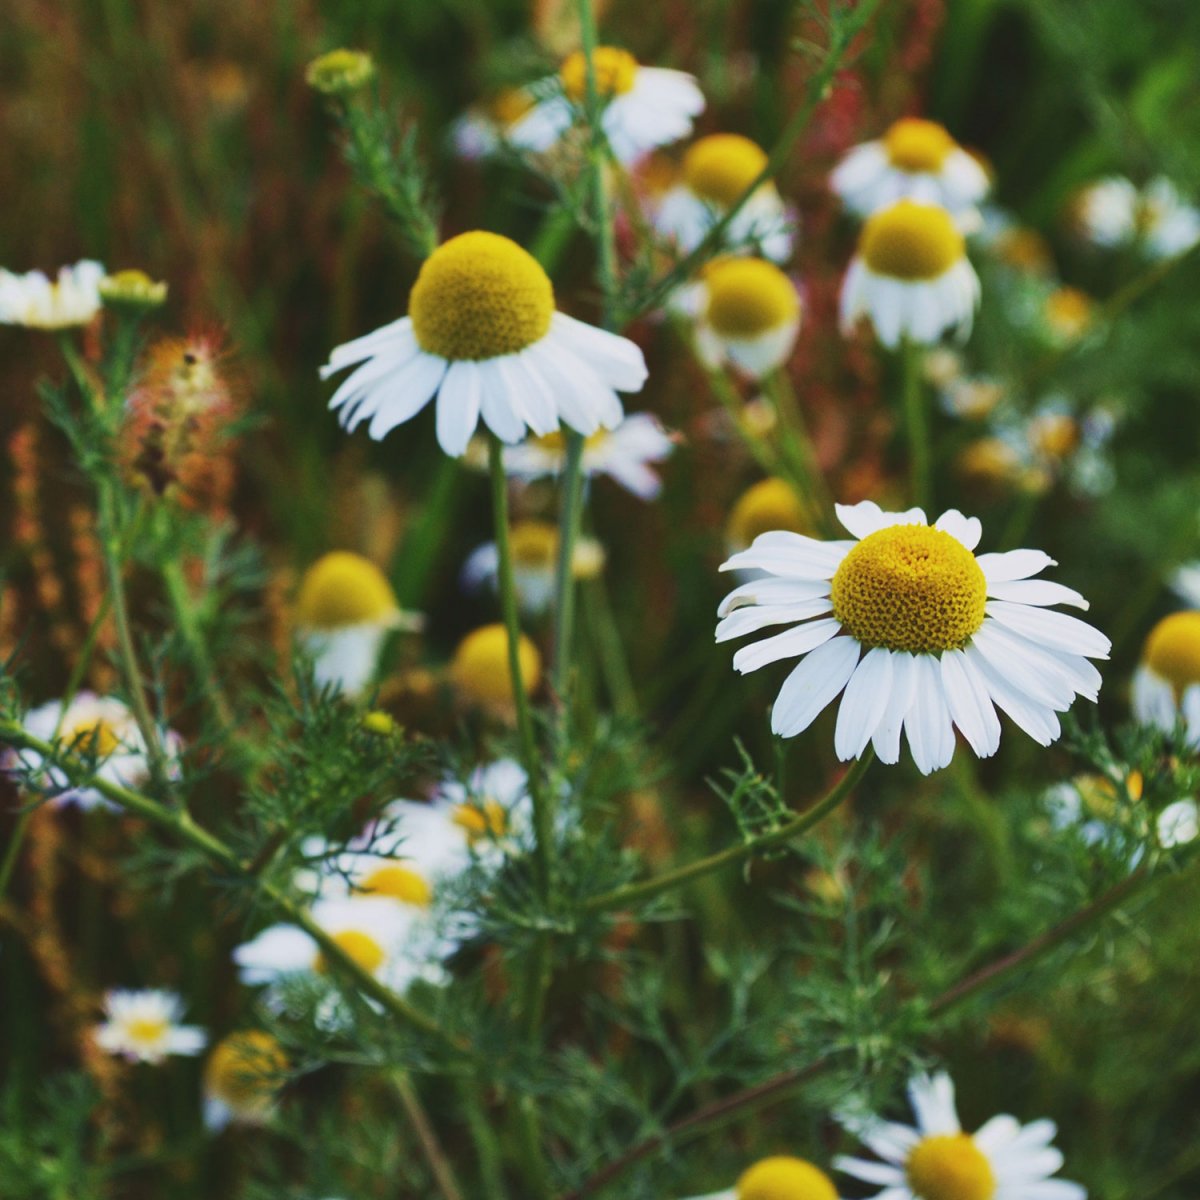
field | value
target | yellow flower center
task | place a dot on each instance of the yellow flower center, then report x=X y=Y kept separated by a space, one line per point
x=147 y=1031
x=1053 y=434
x=244 y=1071
x=768 y=505
x=910 y=240
x=910 y=587
x=556 y=442
x=342 y=589
x=784 y=1178
x=1069 y=311
x=480 y=296
x=748 y=297
x=615 y=70
x=480 y=666
x=360 y=947
x=534 y=544
x=1172 y=650
x=486 y=818
x=96 y=737
x=950 y=1167
x=915 y=145
x=720 y=167
x=398 y=882
x=509 y=105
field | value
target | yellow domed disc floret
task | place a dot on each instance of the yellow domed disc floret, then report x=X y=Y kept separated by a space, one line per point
x=480 y=296
x=361 y=948
x=911 y=241
x=509 y=105
x=96 y=737
x=950 y=1167
x=480 y=666
x=1172 y=650
x=342 y=589
x=615 y=71
x=244 y=1071
x=917 y=146
x=398 y=882
x=784 y=1178
x=487 y=817
x=748 y=297
x=534 y=543
x=147 y=1030
x=720 y=167
x=910 y=587
x=768 y=505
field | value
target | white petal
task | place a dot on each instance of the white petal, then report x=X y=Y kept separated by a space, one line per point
x=1013 y=564
x=1038 y=592
x=501 y=411
x=1038 y=720
x=812 y=685
x=1053 y=629
x=967 y=530
x=617 y=361
x=1153 y=699
x=773 y=591
x=886 y=738
x=398 y=336
x=930 y=733
x=1047 y=1189
x=750 y=620
x=790 y=554
x=1024 y=665
x=863 y=705
x=997 y=1133
x=785 y=645
x=933 y=1102
x=869 y=1172
x=970 y=705
x=408 y=393
x=458 y=408
x=867 y=517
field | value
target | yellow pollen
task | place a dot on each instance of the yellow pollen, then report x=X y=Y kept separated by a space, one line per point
x=360 y=947
x=342 y=589
x=748 y=297
x=770 y=504
x=96 y=737
x=534 y=543
x=784 y=1178
x=910 y=240
x=480 y=666
x=950 y=1167
x=910 y=587
x=1172 y=650
x=487 y=817
x=917 y=146
x=398 y=882
x=615 y=71
x=244 y=1071
x=147 y=1030
x=480 y=296
x=719 y=168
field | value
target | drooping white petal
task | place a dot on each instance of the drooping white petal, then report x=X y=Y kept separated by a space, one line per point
x=398 y=337
x=617 y=361
x=1024 y=666
x=409 y=392
x=927 y=724
x=1049 y=1189
x=932 y=1098
x=997 y=1133
x=750 y=620
x=1037 y=720
x=1049 y=628
x=812 y=685
x=967 y=530
x=790 y=644
x=458 y=405
x=867 y=1171
x=1153 y=699
x=791 y=554
x=886 y=738
x=970 y=705
x=773 y=591
x=863 y=704
x=500 y=410
x=1013 y=564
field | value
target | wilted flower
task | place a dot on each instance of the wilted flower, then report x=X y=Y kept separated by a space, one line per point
x=340 y=71
x=143 y=1026
x=242 y=1078
x=35 y=301
x=480 y=668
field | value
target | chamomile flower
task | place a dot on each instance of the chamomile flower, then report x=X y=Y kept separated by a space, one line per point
x=715 y=174
x=1166 y=684
x=144 y=1026
x=916 y=160
x=936 y=1160
x=534 y=546
x=748 y=315
x=1169 y=225
x=37 y=302
x=1177 y=824
x=779 y=1177
x=480 y=671
x=911 y=276
x=1113 y=212
x=91 y=725
x=344 y=610
x=920 y=633
x=1185 y=583
x=481 y=130
x=644 y=107
x=1068 y=313
x=625 y=454
x=482 y=334
x=768 y=505
x=242 y=1079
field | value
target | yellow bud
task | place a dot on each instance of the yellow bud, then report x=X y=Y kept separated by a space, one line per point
x=340 y=71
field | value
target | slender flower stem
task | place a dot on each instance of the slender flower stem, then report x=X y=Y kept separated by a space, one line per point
x=569 y=521
x=800 y=450
x=435 y=1156
x=13 y=849
x=647 y=889
x=916 y=423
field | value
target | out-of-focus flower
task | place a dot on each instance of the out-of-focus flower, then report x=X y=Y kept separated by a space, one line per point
x=1091 y=803
x=1105 y=212
x=242 y=1079
x=338 y=72
x=1166 y=684
x=624 y=454
x=1020 y=249
x=993 y=462
x=480 y=669
x=344 y=610
x=534 y=546
x=483 y=335
x=35 y=301
x=971 y=398
x=716 y=171
x=1113 y=212
x=769 y=504
x=779 y=1177
x=917 y=160
x=1054 y=444
x=644 y=107
x=942 y=366
x=948 y=637
x=143 y=1026
x=132 y=290
x=748 y=315
x=91 y=725
x=1069 y=314
x=1167 y=223
x=911 y=276
x=936 y=1160
x=483 y=128
x=1178 y=823
x=1185 y=583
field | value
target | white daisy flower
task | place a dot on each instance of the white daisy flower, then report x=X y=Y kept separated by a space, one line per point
x=1178 y=823
x=716 y=172
x=1166 y=684
x=143 y=1026
x=1185 y=583
x=911 y=276
x=1113 y=212
x=483 y=336
x=780 y=1177
x=242 y=1078
x=921 y=634
x=915 y=160
x=481 y=130
x=345 y=609
x=748 y=315
x=534 y=546
x=764 y=507
x=93 y=725
x=644 y=107
x=936 y=1160
x=1169 y=225
x=625 y=454
x=35 y=301
x=1105 y=212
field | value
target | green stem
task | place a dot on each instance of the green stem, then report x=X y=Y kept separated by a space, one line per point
x=435 y=1156
x=569 y=520
x=611 y=651
x=483 y=1136
x=801 y=451
x=916 y=424
x=13 y=849
x=647 y=889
